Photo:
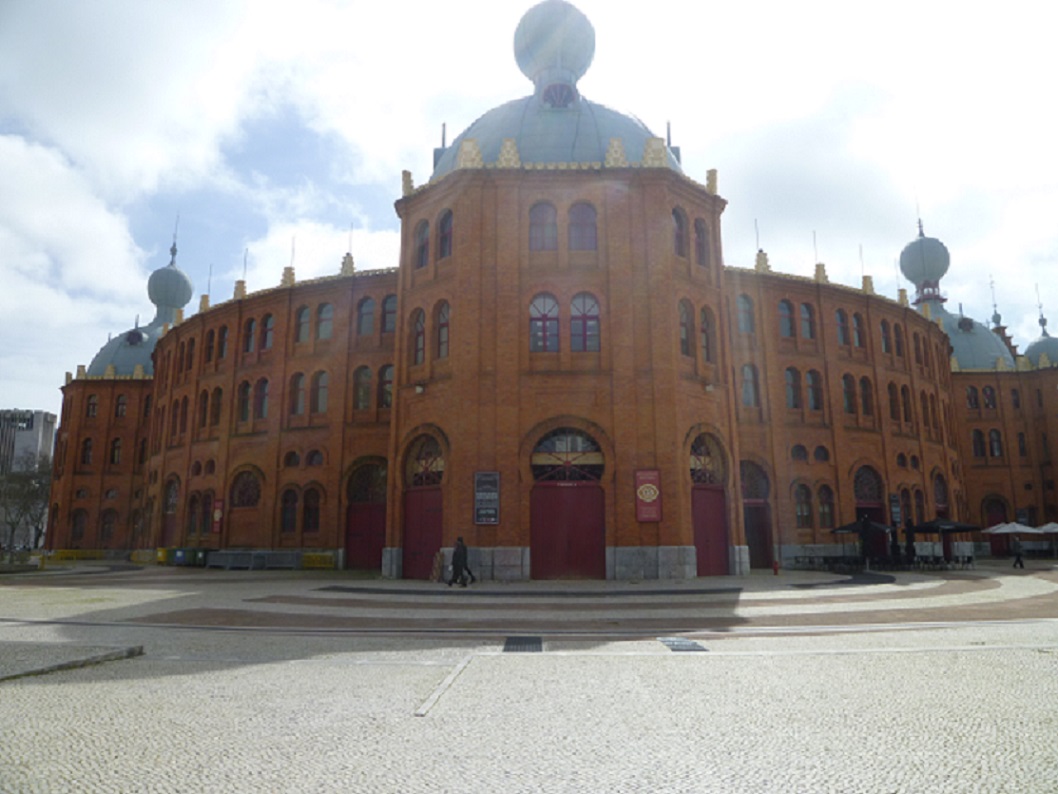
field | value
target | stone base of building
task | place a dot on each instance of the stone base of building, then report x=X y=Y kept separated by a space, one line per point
x=739 y=561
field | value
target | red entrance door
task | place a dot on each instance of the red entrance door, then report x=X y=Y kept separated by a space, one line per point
x=758 y=534
x=365 y=535
x=567 y=531
x=423 y=512
x=709 y=518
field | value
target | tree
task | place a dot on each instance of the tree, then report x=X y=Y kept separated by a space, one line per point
x=24 y=502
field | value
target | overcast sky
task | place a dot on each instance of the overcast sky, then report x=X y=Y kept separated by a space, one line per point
x=261 y=123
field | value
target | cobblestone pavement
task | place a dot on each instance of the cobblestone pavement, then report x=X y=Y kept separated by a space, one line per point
x=296 y=682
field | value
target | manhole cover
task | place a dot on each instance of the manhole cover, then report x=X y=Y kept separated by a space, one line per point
x=523 y=645
x=680 y=644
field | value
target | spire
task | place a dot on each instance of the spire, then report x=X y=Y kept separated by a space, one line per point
x=997 y=319
x=1043 y=320
x=172 y=248
x=921 y=233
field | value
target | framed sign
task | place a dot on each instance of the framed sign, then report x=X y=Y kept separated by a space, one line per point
x=648 y=495
x=486 y=497
x=894 y=510
x=218 y=514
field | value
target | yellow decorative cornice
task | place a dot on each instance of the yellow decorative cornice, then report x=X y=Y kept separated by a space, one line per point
x=615 y=154
x=710 y=181
x=407 y=187
x=821 y=274
x=288 y=277
x=655 y=153
x=509 y=157
x=469 y=155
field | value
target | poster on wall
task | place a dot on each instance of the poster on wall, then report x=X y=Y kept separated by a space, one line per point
x=218 y=514
x=648 y=495
x=486 y=497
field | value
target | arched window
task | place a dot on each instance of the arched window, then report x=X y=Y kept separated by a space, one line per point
x=584 y=324
x=814 y=383
x=679 y=232
x=905 y=400
x=418 y=337
x=746 y=322
x=297 y=394
x=422 y=244
x=995 y=443
x=194 y=513
x=918 y=349
x=842 y=320
x=91 y=406
x=1015 y=398
x=705 y=333
x=215 y=406
x=183 y=416
x=260 y=399
x=543 y=324
x=210 y=341
x=291 y=460
x=362 y=389
x=978 y=444
x=222 y=342
x=793 y=388
x=310 y=519
x=318 y=396
x=385 y=386
x=389 y=314
x=920 y=507
x=701 y=243
x=543 y=227
x=190 y=354
x=866 y=397
x=442 y=330
x=249 y=331
x=174 y=421
x=324 y=321
x=934 y=422
x=901 y=460
x=107 y=523
x=803 y=506
x=583 y=235
x=708 y=465
x=786 y=320
x=203 y=409
x=567 y=454
x=268 y=326
x=826 y=507
x=859 y=335
x=245 y=490
x=887 y=342
x=115 y=452
x=894 y=403
x=808 y=321
x=898 y=340
x=302 y=324
x=425 y=463
x=848 y=392
x=288 y=519
x=79 y=520
x=686 y=316
x=365 y=317
x=444 y=235
x=988 y=395
x=244 y=401
x=314 y=458
x=799 y=452
x=750 y=388
x=121 y=406
x=867 y=485
x=1023 y=447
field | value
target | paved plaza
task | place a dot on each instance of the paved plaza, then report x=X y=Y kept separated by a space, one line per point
x=182 y=680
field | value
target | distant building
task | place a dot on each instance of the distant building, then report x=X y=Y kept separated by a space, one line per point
x=24 y=434
x=564 y=370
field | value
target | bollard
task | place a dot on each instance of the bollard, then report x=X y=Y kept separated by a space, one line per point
x=775 y=567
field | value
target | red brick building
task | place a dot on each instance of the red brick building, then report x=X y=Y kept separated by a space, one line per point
x=561 y=370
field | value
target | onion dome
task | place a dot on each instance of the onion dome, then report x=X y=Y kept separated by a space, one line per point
x=974 y=345
x=553 y=45
x=1043 y=349
x=924 y=261
x=169 y=290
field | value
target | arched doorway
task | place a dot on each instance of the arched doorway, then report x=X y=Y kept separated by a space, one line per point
x=171 y=499
x=567 y=512
x=423 y=506
x=994 y=509
x=756 y=514
x=709 y=505
x=869 y=491
x=365 y=518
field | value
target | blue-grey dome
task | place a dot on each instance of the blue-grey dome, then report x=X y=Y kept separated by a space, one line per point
x=1046 y=345
x=169 y=290
x=924 y=261
x=554 y=45
x=974 y=345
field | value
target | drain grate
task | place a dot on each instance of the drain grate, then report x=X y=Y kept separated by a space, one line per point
x=523 y=645
x=681 y=644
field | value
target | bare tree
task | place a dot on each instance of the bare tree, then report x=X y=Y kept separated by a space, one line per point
x=24 y=502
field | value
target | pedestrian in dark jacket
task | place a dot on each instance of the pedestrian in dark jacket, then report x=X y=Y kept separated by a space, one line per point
x=460 y=570
x=1015 y=546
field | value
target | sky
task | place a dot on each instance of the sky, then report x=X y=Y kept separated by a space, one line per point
x=263 y=133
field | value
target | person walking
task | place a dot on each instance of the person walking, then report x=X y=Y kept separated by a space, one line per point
x=1015 y=548
x=460 y=569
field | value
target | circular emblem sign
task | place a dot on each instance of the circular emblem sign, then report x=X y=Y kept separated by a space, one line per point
x=648 y=492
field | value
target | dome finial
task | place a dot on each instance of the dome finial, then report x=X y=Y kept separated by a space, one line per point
x=1043 y=320
x=997 y=318
x=554 y=45
x=921 y=233
x=172 y=248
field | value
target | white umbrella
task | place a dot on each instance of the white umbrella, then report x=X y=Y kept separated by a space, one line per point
x=1011 y=528
x=1048 y=528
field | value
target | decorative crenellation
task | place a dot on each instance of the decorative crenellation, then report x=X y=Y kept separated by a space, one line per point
x=509 y=156
x=615 y=154
x=240 y=290
x=655 y=153
x=348 y=265
x=108 y=374
x=710 y=181
x=179 y=316
x=868 y=285
x=902 y=297
x=407 y=186
x=821 y=274
x=469 y=155
x=761 y=264
x=203 y=303
x=288 y=279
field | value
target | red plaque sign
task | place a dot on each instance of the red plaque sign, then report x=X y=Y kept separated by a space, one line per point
x=648 y=495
